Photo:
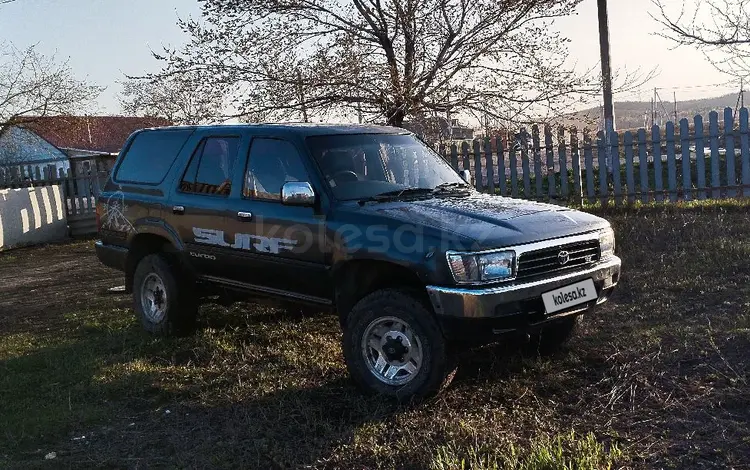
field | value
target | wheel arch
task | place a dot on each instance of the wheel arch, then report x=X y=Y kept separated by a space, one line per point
x=354 y=279
x=142 y=244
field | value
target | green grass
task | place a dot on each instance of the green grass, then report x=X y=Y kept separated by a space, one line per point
x=564 y=452
x=656 y=379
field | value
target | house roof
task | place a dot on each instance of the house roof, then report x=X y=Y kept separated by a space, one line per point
x=19 y=146
x=95 y=133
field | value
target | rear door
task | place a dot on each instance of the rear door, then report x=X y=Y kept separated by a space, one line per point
x=277 y=248
x=198 y=206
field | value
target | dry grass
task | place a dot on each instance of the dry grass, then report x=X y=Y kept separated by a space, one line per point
x=657 y=379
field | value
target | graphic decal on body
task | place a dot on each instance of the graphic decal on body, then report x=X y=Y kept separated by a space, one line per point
x=113 y=217
x=243 y=241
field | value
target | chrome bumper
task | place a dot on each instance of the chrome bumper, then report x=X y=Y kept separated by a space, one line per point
x=483 y=302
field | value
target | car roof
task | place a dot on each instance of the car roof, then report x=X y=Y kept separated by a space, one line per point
x=303 y=129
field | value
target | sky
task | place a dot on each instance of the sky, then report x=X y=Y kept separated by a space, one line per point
x=105 y=39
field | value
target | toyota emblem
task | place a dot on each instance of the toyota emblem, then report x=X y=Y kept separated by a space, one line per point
x=563 y=257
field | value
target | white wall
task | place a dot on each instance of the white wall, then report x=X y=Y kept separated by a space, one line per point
x=32 y=215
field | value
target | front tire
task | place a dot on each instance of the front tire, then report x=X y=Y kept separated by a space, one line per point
x=162 y=300
x=393 y=346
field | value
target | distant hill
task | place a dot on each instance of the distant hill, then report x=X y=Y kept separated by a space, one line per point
x=632 y=114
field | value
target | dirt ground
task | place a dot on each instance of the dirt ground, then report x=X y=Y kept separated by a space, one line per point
x=37 y=284
x=657 y=378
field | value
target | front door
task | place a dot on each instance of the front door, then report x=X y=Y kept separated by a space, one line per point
x=277 y=248
x=198 y=206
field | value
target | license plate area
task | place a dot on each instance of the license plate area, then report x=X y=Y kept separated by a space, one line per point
x=569 y=296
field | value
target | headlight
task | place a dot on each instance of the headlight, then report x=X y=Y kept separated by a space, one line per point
x=482 y=267
x=607 y=243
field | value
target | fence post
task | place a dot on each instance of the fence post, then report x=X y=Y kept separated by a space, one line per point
x=513 y=169
x=575 y=157
x=601 y=156
x=629 y=177
x=454 y=156
x=502 y=180
x=537 y=151
x=526 y=169
x=700 y=157
x=588 y=156
x=479 y=179
x=687 y=180
x=70 y=202
x=17 y=176
x=561 y=153
x=644 y=183
x=713 y=135
x=550 y=151
x=465 y=152
x=658 y=171
x=729 y=146
x=489 y=164
x=671 y=166
x=745 y=150
x=616 y=180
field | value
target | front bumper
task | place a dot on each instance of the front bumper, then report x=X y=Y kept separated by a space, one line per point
x=515 y=306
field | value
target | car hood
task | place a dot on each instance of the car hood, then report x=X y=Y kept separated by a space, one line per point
x=488 y=221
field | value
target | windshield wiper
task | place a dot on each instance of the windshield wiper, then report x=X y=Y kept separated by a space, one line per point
x=449 y=186
x=452 y=189
x=392 y=195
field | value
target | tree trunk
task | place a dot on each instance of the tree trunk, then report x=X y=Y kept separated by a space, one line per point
x=396 y=116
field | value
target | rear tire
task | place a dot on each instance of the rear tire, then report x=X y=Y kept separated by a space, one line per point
x=393 y=346
x=162 y=300
x=551 y=339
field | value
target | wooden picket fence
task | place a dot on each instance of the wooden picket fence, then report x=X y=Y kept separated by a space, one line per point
x=81 y=190
x=666 y=164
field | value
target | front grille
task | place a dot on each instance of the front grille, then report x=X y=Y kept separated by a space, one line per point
x=540 y=263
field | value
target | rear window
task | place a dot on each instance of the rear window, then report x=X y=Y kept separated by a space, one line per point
x=150 y=155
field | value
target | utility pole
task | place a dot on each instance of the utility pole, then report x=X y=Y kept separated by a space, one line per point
x=653 y=116
x=359 y=112
x=301 y=92
x=742 y=92
x=609 y=112
x=675 y=107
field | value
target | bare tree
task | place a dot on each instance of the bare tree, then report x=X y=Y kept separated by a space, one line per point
x=719 y=28
x=386 y=59
x=180 y=99
x=32 y=85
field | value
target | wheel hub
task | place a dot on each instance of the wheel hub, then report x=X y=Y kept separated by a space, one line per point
x=395 y=346
x=154 y=300
x=392 y=351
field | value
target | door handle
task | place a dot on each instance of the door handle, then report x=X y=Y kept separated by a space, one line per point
x=178 y=210
x=245 y=215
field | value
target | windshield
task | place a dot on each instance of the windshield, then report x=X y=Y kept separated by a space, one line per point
x=365 y=165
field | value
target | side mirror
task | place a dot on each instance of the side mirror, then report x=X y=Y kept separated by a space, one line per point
x=297 y=193
x=466 y=175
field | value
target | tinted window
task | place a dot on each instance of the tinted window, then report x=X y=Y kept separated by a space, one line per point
x=150 y=155
x=272 y=163
x=210 y=169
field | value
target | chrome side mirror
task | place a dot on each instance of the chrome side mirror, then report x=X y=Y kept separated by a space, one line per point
x=465 y=175
x=297 y=193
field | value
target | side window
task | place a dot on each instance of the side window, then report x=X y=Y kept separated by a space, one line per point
x=272 y=163
x=210 y=169
x=150 y=155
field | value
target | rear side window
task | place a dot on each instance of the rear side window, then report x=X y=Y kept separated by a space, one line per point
x=150 y=156
x=211 y=168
